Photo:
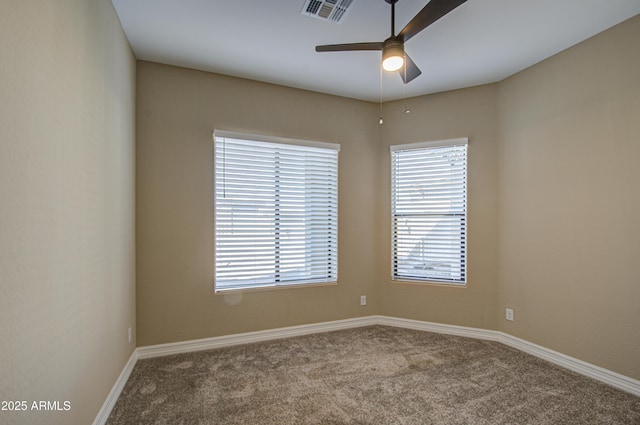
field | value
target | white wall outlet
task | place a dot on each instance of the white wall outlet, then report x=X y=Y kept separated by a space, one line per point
x=129 y=335
x=510 y=314
x=363 y=300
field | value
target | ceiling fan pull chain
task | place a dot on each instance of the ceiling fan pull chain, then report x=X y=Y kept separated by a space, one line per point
x=381 y=120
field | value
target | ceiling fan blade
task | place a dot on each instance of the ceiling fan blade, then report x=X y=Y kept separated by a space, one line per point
x=410 y=70
x=433 y=11
x=349 y=47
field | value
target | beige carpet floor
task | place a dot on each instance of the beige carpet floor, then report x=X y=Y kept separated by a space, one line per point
x=371 y=375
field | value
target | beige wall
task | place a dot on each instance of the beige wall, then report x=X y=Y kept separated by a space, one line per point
x=67 y=85
x=177 y=109
x=463 y=113
x=569 y=201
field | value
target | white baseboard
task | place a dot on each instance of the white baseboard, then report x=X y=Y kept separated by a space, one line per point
x=251 y=337
x=107 y=406
x=439 y=328
x=600 y=374
x=587 y=369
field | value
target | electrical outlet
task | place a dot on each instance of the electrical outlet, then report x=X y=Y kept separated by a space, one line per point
x=129 y=335
x=363 y=300
x=510 y=315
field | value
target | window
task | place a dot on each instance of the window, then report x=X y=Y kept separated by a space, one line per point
x=276 y=212
x=429 y=211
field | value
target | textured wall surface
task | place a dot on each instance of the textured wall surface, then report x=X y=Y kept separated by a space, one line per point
x=569 y=201
x=67 y=265
x=177 y=109
x=462 y=113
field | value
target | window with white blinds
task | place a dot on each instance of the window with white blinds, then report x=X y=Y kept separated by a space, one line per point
x=276 y=212
x=429 y=211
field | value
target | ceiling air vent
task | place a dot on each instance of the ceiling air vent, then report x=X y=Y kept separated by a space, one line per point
x=327 y=10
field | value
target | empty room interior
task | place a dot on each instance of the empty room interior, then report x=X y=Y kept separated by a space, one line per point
x=117 y=118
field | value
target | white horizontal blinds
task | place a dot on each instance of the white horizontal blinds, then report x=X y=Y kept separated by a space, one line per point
x=429 y=206
x=276 y=208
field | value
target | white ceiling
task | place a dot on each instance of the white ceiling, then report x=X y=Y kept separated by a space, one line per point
x=481 y=41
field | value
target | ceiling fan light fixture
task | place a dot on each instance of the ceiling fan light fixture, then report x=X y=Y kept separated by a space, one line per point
x=392 y=55
x=392 y=63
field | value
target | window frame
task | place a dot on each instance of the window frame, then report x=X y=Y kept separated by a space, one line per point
x=463 y=235
x=331 y=277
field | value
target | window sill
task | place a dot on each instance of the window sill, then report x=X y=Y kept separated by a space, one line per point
x=430 y=283
x=272 y=287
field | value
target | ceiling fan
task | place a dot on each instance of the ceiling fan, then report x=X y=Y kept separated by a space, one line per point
x=394 y=57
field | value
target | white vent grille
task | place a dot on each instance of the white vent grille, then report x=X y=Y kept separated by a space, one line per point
x=327 y=10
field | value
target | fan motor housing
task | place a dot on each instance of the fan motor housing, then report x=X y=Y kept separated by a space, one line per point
x=393 y=46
